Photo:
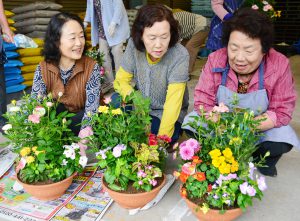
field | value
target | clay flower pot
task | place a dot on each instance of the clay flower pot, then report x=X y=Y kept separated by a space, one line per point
x=133 y=200
x=213 y=215
x=48 y=191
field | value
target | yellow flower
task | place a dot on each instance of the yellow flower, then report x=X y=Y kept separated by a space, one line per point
x=216 y=163
x=215 y=153
x=221 y=159
x=230 y=159
x=227 y=152
x=234 y=166
x=30 y=159
x=103 y=109
x=235 y=140
x=116 y=111
x=14 y=102
x=34 y=148
x=25 y=151
x=204 y=208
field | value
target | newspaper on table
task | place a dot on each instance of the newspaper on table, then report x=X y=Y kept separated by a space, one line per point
x=21 y=206
x=7 y=159
x=89 y=204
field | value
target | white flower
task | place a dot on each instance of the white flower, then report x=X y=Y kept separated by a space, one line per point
x=60 y=94
x=14 y=109
x=83 y=161
x=75 y=146
x=39 y=111
x=49 y=104
x=6 y=127
x=70 y=153
x=64 y=162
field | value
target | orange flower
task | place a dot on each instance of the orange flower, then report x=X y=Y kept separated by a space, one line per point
x=196 y=160
x=200 y=176
x=183 y=177
x=183 y=192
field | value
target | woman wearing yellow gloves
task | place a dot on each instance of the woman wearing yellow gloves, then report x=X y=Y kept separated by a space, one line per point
x=159 y=66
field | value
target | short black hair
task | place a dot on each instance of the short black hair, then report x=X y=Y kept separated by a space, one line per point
x=146 y=17
x=253 y=23
x=51 y=50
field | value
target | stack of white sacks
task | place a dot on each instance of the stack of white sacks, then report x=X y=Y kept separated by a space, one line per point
x=32 y=19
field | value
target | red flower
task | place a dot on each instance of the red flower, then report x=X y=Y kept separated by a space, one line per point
x=209 y=187
x=196 y=160
x=183 y=177
x=200 y=176
x=152 y=140
x=164 y=138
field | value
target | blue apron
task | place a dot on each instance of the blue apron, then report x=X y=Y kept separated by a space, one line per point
x=214 y=41
x=257 y=101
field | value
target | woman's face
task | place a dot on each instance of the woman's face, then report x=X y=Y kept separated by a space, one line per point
x=71 y=41
x=244 y=53
x=156 y=39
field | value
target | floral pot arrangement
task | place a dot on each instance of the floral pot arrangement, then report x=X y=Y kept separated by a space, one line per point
x=217 y=169
x=48 y=154
x=133 y=159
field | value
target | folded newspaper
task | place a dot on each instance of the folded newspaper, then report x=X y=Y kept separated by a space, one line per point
x=7 y=159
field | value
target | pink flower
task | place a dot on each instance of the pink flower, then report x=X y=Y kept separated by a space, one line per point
x=140 y=182
x=221 y=108
x=107 y=100
x=49 y=104
x=102 y=71
x=86 y=132
x=188 y=168
x=267 y=7
x=141 y=173
x=186 y=152
x=21 y=165
x=34 y=118
x=192 y=143
x=255 y=7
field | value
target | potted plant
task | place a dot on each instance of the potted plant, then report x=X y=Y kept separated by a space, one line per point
x=48 y=154
x=133 y=158
x=217 y=171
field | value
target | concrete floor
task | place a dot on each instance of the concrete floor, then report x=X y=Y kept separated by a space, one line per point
x=281 y=201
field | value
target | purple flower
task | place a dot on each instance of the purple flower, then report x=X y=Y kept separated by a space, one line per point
x=244 y=187
x=140 y=182
x=153 y=182
x=141 y=173
x=251 y=191
x=247 y=189
x=186 y=152
x=102 y=153
x=215 y=197
x=149 y=167
x=231 y=176
x=251 y=170
x=117 y=151
x=261 y=181
x=225 y=195
x=227 y=202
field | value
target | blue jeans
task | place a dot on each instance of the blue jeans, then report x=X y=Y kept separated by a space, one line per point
x=116 y=101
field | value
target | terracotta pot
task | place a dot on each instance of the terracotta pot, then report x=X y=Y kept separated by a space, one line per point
x=213 y=215
x=48 y=191
x=134 y=200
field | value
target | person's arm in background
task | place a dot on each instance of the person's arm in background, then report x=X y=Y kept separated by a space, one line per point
x=8 y=35
x=92 y=89
x=219 y=10
x=122 y=82
x=282 y=101
x=205 y=91
x=38 y=86
x=174 y=97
